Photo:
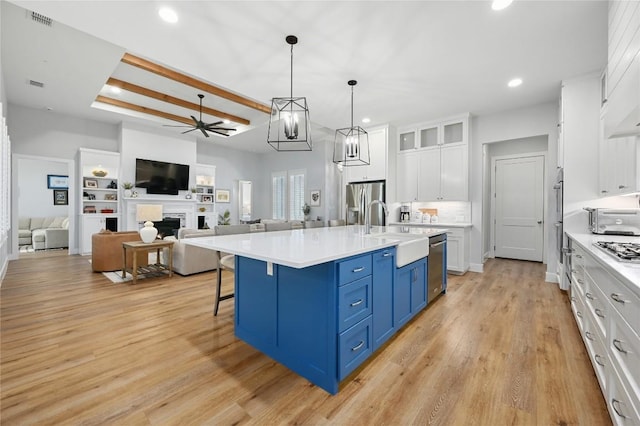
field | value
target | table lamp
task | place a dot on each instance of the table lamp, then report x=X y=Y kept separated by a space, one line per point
x=148 y=213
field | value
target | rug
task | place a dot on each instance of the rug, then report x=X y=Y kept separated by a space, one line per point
x=116 y=276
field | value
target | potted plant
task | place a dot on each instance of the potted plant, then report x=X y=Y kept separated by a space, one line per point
x=128 y=186
x=225 y=218
x=306 y=210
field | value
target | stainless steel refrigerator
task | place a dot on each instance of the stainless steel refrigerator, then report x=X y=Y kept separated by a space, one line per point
x=359 y=196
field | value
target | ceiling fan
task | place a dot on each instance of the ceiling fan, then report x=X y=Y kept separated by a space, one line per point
x=206 y=127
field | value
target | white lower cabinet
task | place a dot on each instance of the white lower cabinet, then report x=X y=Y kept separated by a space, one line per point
x=458 y=250
x=608 y=316
x=92 y=224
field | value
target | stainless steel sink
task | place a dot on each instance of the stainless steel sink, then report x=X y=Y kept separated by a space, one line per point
x=410 y=247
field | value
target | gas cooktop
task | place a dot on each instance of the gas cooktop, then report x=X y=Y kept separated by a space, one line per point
x=624 y=252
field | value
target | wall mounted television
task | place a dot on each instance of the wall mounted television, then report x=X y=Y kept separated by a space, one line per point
x=159 y=177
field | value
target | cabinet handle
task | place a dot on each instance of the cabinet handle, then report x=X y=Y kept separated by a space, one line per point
x=599 y=312
x=618 y=345
x=616 y=404
x=578 y=256
x=358 y=346
x=589 y=335
x=604 y=191
x=360 y=269
x=598 y=358
x=356 y=303
x=589 y=296
x=580 y=281
x=573 y=298
x=437 y=244
x=579 y=314
x=386 y=254
x=622 y=186
x=617 y=298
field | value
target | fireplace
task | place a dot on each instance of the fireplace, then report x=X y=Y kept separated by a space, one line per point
x=167 y=226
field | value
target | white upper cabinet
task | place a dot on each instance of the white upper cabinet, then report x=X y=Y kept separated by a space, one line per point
x=377 y=168
x=622 y=78
x=433 y=161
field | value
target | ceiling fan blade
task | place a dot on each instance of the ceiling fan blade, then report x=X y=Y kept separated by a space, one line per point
x=203 y=132
x=169 y=125
x=218 y=128
x=195 y=121
x=187 y=131
x=220 y=133
x=213 y=124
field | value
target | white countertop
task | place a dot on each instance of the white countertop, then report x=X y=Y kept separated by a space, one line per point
x=628 y=273
x=300 y=248
x=435 y=225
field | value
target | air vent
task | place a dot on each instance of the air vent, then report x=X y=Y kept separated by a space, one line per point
x=41 y=19
x=36 y=83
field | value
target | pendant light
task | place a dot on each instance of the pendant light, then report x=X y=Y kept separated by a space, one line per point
x=351 y=144
x=289 y=125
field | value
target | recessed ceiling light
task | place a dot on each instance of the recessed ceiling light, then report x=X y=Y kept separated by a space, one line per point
x=515 y=82
x=500 y=4
x=366 y=120
x=168 y=15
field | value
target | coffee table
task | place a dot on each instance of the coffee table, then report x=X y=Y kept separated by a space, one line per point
x=154 y=270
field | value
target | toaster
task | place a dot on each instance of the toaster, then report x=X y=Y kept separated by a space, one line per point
x=614 y=221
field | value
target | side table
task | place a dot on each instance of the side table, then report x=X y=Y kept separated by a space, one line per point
x=156 y=269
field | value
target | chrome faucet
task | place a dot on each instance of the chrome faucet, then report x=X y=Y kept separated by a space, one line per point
x=367 y=218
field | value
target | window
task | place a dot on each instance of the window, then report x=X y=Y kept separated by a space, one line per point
x=287 y=194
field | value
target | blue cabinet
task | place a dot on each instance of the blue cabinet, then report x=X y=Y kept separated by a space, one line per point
x=384 y=266
x=409 y=291
x=323 y=321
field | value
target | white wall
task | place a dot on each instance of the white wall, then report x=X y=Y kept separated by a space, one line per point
x=49 y=134
x=232 y=166
x=34 y=198
x=321 y=174
x=537 y=120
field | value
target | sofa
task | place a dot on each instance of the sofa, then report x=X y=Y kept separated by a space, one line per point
x=44 y=232
x=106 y=250
x=188 y=259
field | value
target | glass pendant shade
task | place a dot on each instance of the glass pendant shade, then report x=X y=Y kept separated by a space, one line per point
x=351 y=144
x=289 y=124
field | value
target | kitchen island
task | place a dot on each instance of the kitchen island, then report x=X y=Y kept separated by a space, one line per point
x=320 y=301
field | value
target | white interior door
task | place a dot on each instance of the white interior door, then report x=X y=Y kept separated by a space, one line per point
x=519 y=207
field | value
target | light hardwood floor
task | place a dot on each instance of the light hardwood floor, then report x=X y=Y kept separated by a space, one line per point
x=499 y=348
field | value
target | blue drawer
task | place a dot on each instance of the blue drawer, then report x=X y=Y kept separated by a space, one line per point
x=353 y=269
x=354 y=302
x=354 y=347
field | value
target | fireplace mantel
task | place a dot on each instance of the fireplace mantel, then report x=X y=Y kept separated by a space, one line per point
x=171 y=207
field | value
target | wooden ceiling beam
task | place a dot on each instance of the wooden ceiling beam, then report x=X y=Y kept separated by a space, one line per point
x=130 y=87
x=190 y=81
x=142 y=109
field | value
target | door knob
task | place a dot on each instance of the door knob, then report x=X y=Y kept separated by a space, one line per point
x=539 y=222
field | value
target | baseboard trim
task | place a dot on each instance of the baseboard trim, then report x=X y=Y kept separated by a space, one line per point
x=551 y=277
x=476 y=267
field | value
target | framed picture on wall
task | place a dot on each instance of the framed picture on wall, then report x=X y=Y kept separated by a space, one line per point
x=314 y=198
x=223 y=196
x=57 y=182
x=60 y=197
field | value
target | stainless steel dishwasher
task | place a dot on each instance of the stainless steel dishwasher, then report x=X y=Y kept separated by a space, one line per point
x=436 y=281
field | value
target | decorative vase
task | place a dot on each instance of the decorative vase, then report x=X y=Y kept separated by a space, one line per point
x=127 y=193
